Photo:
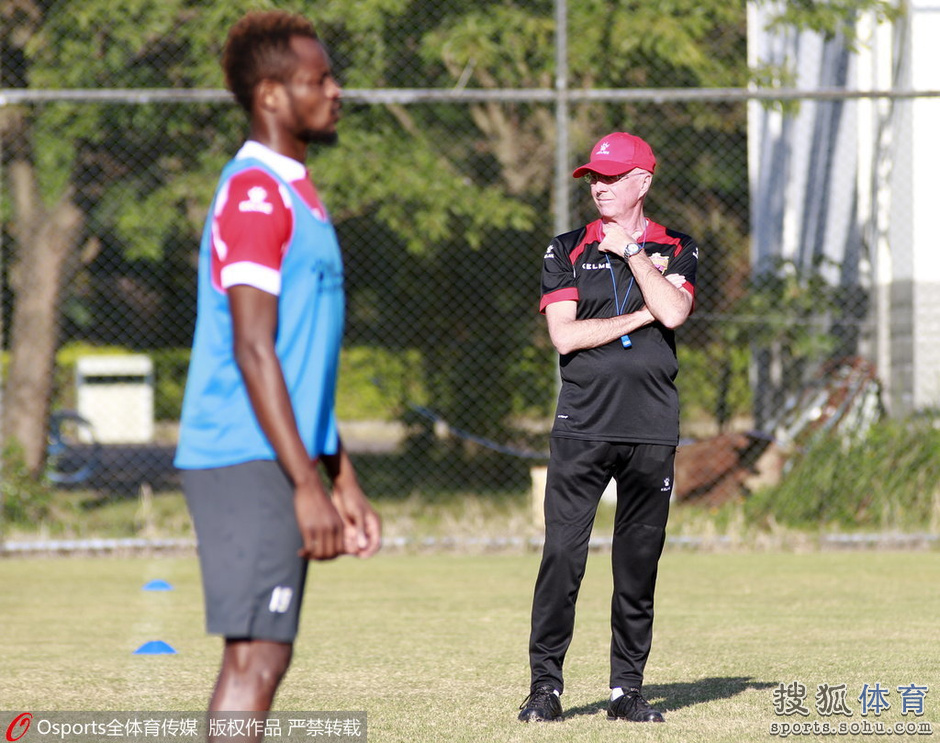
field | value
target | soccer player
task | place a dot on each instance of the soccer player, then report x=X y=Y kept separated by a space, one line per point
x=258 y=420
x=613 y=292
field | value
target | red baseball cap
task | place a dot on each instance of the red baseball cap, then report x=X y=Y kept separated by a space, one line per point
x=618 y=153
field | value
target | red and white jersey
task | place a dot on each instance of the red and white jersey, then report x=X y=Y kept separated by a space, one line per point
x=253 y=220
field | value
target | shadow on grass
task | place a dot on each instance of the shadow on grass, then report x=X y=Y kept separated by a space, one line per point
x=673 y=697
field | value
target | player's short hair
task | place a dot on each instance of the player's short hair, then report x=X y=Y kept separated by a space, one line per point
x=258 y=48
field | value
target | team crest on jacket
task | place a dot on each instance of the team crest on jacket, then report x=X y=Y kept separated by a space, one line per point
x=660 y=261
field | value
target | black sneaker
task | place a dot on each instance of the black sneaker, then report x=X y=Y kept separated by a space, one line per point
x=632 y=706
x=542 y=705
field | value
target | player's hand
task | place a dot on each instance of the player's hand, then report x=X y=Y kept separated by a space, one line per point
x=615 y=238
x=363 y=527
x=676 y=279
x=321 y=525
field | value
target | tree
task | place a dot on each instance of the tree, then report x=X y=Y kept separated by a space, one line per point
x=93 y=180
x=456 y=205
x=61 y=161
x=49 y=225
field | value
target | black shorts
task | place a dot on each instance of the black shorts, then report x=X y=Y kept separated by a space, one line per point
x=246 y=528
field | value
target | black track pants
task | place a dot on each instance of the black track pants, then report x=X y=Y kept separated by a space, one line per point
x=578 y=472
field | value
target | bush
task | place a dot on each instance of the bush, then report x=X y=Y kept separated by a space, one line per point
x=63 y=388
x=713 y=382
x=889 y=480
x=170 y=366
x=533 y=383
x=374 y=383
x=169 y=371
x=379 y=384
x=24 y=499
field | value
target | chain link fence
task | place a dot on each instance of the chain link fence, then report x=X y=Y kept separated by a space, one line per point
x=462 y=122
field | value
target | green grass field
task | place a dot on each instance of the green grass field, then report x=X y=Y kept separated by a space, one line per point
x=433 y=647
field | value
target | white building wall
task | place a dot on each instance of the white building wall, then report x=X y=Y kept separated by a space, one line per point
x=856 y=182
x=924 y=194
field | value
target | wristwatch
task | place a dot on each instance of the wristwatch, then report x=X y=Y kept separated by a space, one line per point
x=631 y=249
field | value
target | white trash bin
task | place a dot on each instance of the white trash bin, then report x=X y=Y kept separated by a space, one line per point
x=115 y=395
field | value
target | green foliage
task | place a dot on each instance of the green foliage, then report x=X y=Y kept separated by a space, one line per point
x=170 y=366
x=792 y=305
x=713 y=382
x=832 y=17
x=24 y=500
x=533 y=380
x=63 y=390
x=483 y=46
x=374 y=383
x=377 y=384
x=681 y=43
x=792 y=312
x=159 y=207
x=433 y=202
x=132 y=43
x=889 y=480
x=417 y=178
